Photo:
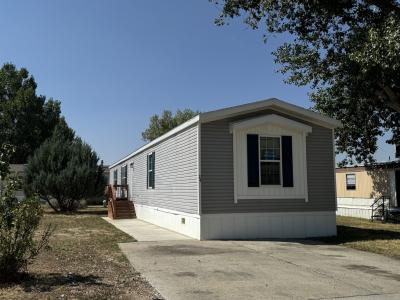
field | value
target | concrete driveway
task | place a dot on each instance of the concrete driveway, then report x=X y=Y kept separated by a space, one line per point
x=189 y=269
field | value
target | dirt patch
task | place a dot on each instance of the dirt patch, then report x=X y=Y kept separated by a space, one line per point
x=85 y=262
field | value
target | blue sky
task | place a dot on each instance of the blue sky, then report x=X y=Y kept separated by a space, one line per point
x=113 y=64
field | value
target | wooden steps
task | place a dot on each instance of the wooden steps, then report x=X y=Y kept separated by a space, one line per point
x=124 y=209
x=119 y=207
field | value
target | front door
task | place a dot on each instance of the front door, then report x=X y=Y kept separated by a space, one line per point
x=397 y=180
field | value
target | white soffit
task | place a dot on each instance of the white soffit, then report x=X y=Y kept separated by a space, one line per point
x=270 y=119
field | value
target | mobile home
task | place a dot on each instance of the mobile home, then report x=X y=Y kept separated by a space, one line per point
x=260 y=170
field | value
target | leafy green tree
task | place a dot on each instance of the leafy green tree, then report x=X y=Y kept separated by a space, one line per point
x=26 y=119
x=167 y=121
x=64 y=169
x=348 y=52
x=19 y=221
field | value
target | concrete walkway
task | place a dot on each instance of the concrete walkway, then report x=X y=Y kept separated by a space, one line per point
x=146 y=232
x=190 y=269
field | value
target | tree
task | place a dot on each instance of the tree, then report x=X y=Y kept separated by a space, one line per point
x=167 y=121
x=26 y=120
x=348 y=52
x=65 y=169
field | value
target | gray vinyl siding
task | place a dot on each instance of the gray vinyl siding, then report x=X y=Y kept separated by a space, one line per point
x=217 y=182
x=176 y=174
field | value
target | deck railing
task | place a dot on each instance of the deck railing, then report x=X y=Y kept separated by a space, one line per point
x=380 y=207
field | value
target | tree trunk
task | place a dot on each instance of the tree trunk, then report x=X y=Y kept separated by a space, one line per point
x=393 y=97
x=50 y=204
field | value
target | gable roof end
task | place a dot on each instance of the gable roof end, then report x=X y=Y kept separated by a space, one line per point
x=273 y=103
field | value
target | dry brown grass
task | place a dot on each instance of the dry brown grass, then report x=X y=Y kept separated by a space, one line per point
x=84 y=263
x=362 y=234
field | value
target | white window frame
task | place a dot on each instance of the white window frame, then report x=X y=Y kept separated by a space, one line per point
x=270 y=160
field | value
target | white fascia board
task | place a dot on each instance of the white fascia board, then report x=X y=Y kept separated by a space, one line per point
x=270 y=119
x=165 y=136
x=297 y=111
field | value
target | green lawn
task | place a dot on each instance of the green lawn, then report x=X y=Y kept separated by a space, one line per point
x=84 y=263
x=362 y=234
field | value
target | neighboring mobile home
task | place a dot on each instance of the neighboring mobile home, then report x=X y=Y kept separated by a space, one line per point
x=359 y=187
x=258 y=170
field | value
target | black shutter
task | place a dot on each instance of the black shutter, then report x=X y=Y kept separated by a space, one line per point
x=148 y=162
x=153 y=180
x=253 y=165
x=287 y=161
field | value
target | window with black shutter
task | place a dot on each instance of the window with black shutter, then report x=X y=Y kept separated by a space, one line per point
x=269 y=160
x=151 y=170
x=253 y=167
x=287 y=161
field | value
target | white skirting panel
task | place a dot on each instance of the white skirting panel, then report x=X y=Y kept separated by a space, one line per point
x=268 y=225
x=354 y=207
x=187 y=224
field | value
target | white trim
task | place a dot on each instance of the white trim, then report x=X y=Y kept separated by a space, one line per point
x=268 y=225
x=300 y=112
x=170 y=133
x=295 y=129
x=270 y=119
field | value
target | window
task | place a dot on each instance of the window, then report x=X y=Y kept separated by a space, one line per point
x=151 y=170
x=124 y=175
x=115 y=177
x=270 y=160
x=351 y=181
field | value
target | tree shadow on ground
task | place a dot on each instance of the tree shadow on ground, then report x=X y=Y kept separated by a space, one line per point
x=79 y=212
x=347 y=234
x=50 y=281
x=91 y=212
